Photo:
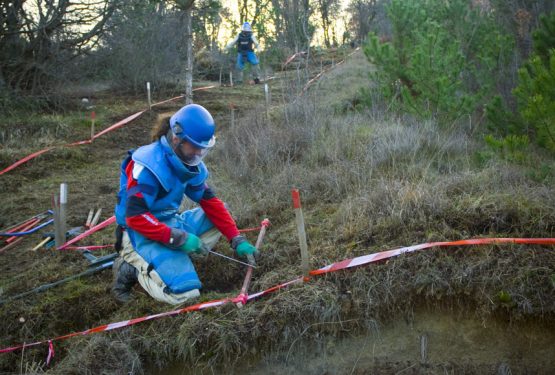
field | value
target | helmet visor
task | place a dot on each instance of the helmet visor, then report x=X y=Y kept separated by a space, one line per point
x=192 y=155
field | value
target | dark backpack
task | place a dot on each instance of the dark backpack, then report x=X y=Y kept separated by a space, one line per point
x=245 y=43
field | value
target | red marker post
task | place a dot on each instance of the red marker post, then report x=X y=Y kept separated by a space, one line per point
x=242 y=298
x=300 y=228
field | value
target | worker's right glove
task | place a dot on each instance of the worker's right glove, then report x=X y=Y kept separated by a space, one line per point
x=188 y=242
x=243 y=247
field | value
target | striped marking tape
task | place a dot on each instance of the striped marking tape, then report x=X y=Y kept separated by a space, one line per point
x=117 y=125
x=345 y=264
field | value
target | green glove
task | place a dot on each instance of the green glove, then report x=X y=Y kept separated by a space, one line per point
x=245 y=248
x=192 y=244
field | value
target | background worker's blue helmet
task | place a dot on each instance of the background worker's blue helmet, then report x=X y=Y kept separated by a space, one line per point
x=246 y=27
x=193 y=123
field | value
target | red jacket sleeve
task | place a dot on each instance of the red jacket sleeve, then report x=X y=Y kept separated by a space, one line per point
x=218 y=214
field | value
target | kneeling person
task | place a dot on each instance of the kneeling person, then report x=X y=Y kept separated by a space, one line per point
x=157 y=240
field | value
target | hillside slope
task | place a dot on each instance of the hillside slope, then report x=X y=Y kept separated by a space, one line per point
x=370 y=181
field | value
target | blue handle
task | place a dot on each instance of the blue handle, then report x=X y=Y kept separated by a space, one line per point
x=19 y=234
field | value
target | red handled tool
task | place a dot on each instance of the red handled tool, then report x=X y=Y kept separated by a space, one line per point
x=241 y=299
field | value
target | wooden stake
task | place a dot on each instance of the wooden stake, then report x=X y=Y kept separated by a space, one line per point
x=148 y=95
x=61 y=232
x=232 y=116
x=231 y=78
x=96 y=217
x=267 y=96
x=93 y=119
x=42 y=243
x=89 y=218
x=58 y=235
x=301 y=230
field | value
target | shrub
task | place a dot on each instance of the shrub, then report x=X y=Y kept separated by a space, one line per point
x=536 y=99
x=440 y=57
x=535 y=93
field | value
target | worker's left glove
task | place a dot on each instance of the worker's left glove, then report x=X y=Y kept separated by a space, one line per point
x=243 y=247
x=188 y=242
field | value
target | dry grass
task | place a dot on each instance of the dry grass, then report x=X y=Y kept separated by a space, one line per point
x=370 y=180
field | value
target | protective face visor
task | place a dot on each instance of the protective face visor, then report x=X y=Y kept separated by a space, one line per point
x=190 y=154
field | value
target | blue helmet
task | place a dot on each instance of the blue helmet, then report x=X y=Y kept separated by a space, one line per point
x=193 y=123
x=246 y=27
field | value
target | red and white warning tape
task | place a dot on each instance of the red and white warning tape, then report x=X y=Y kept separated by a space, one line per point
x=345 y=264
x=117 y=125
x=372 y=258
x=291 y=58
x=309 y=83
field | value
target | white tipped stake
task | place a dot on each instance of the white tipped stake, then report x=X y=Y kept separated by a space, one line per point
x=96 y=217
x=148 y=95
x=89 y=218
x=59 y=208
x=268 y=98
x=232 y=110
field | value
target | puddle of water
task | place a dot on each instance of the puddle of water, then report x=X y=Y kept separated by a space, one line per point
x=432 y=342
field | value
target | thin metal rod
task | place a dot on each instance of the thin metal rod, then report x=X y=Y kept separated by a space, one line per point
x=229 y=258
x=44 y=287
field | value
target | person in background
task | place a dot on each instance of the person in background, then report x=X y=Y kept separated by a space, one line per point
x=155 y=240
x=246 y=43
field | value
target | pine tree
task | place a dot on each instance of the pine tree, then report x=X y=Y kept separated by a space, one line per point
x=440 y=57
x=535 y=92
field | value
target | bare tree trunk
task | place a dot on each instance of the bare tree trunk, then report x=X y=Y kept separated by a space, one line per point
x=243 y=10
x=190 y=57
x=187 y=7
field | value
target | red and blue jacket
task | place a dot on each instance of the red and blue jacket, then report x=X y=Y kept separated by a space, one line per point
x=153 y=184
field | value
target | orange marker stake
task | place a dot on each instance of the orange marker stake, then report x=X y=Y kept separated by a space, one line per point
x=301 y=230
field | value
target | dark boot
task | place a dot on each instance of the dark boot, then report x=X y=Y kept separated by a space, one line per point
x=125 y=277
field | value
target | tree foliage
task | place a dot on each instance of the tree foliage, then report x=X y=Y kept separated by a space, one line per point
x=534 y=95
x=293 y=28
x=144 y=43
x=520 y=17
x=207 y=21
x=544 y=38
x=536 y=98
x=535 y=92
x=327 y=8
x=366 y=16
x=38 y=44
x=440 y=59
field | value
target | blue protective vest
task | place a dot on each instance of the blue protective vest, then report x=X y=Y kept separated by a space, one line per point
x=244 y=42
x=164 y=169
